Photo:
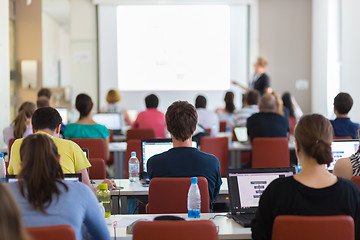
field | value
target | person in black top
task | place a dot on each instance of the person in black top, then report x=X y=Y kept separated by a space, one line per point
x=183 y=160
x=314 y=191
x=267 y=123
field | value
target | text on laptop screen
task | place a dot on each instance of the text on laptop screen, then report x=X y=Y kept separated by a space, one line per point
x=64 y=114
x=251 y=185
x=152 y=148
x=109 y=120
x=343 y=149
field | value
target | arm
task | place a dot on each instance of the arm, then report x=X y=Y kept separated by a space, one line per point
x=127 y=117
x=85 y=179
x=343 y=168
x=239 y=85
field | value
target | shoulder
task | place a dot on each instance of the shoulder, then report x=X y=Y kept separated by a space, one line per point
x=281 y=184
x=349 y=186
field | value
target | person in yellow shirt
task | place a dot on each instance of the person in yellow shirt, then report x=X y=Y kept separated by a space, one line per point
x=48 y=121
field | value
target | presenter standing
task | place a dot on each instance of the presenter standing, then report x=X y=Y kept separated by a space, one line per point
x=261 y=80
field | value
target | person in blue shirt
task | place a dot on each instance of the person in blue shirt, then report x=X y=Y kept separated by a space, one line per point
x=45 y=199
x=343 y=126
x=183 y=160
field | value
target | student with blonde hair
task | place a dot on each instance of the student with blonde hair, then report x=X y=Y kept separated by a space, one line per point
x=113 y=98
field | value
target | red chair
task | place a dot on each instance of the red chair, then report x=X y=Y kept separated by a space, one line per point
x=97 y=169
x=356 y=180
x=175 y=230
x=133 y=145
x=313 y=227
x=222 y=126
x=57 y=232
x=342 y=138
x=140 y=133
x=208 y=130
x=218 y=146
x=292 y=124
x=169 y=195
x=96 y=146
x=270 y=153
x=111 y=137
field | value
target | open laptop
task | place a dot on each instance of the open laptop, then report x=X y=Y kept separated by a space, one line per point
x=246 y=187
x=241 y=134
x=342 y=149
x=109 y=120
x=64 y=115
x=73 y=177
x=151 y=147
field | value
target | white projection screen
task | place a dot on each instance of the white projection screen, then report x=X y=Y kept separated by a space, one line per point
x=173 y=47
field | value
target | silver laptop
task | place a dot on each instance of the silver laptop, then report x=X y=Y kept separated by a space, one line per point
x=343 y=149
x=241 y=134
x=109 y=120
x=64 y=115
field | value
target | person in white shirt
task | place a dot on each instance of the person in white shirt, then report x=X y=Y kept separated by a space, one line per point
x=206 y=118
x=240 y=117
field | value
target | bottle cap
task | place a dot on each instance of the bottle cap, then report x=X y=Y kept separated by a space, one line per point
x=133 y=154
x=194 y=180
x=103 y=186
x=1 y=155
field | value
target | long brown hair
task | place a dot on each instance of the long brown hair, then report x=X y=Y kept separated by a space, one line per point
x=11 y=227
x=314 y=134
x=40 y=171
x=229 y=102
x=26 y=110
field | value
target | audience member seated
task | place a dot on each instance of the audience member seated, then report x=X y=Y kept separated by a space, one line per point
x=86 y=127
x=184 y=160
x=313 y=191
x=45 y=93
x=42 y=102
x=343 y=126
x=267 y=123
x=226 y=113
x=291 y=104
x=206 y=118
x=21 y=126
x=11 y=226
x=46 y=199
x=113 y=99
x=348 y=167
x=280 y=108
x=48 y=121
x=250 y=107
x=151 y=117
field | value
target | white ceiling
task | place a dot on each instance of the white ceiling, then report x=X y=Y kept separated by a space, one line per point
x=59 y=10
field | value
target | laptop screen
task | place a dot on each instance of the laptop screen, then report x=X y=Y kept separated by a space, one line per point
x=109 y=120
x=343 y=149
x=241 y=134
x=64 y=114
x=247 y=185
x=151 y=147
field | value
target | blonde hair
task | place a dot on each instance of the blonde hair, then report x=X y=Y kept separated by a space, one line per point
x=279 y=104
x=26 y=111
x=262 y=62
x=11 y=227
x=113 y=96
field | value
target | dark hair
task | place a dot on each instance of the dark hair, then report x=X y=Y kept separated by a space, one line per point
x=343 y=103
x=26 y=111
x=229 y=102
x=181 y=119
x=151 y=101
x=253 y=97
x=40 y=172
x=286 y=98
x=42 y=102
x=83 y=104
x=314 y=135
x=46 y=117
x=44 y=92
x=200 y=102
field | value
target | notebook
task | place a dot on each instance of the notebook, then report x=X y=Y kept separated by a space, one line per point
x=109 y=120
x=246 y=187
x=73 y=177
x=241 y=134
x=342 y=149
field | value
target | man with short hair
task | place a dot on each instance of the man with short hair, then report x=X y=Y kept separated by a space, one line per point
x=250 y=107
x=47 y=120
x=343 y=126
x=206 y=118
x=183 y=160
x=267 y=123
x=151 y=117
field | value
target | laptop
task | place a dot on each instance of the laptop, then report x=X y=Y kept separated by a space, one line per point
x=245 y=189
x=151 y=147
x=109 y=120
x=64 y=115
x=241 y=134
x=72 y=177
x=342 y=149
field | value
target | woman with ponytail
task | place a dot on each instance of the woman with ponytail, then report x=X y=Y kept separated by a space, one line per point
x=313 y=191
x=21 y=126
x=226 y=113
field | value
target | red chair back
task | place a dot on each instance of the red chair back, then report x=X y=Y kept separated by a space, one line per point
x=292 y=124
x=97 y=169
x=140 y=133
x=356 y=180
x=222 y=126
x=175 y=230
x=169 y=195
x=313 y=227
x=57 y=232
x=111 y=138
x=218 y=146
x=270 y=153
x=96 y=146
x=342 y=138
x=133 y=145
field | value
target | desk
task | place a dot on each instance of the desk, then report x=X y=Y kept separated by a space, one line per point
x=128 y=189
x=228 y=228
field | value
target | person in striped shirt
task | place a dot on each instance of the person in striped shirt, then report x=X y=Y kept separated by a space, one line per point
x=240 y=117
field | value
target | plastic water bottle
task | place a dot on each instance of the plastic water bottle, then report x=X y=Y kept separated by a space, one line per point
x=133 y=168
x=194 y=199
x=103 y=196
x=2 y=168
x=298 y=167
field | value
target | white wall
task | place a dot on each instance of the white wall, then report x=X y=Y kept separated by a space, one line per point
x=4 y=68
